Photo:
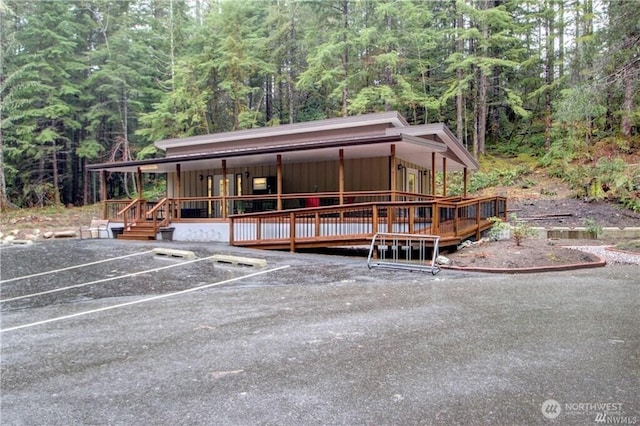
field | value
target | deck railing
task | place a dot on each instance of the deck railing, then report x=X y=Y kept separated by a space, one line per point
x=202 y=208
x=355 y=223
x=309 y=219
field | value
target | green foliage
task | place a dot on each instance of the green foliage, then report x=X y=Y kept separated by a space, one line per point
x=520 y=230
x=504 y=176
x=606 y=178
x=561 y=153
x=499 y=229
x=593 y=227
x=633 y=246
x=515 y=229
x=102 y=80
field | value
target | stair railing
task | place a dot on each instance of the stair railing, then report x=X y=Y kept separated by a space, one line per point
x=131 y=212
x=160 y=209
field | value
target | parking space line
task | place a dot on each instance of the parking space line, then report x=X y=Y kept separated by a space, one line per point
x=145 y=300
x=39 y=274
x=104 y=280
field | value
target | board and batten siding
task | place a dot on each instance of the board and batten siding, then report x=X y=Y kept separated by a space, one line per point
x=362 y=174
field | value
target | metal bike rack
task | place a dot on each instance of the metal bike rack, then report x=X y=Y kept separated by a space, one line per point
x=404 y=251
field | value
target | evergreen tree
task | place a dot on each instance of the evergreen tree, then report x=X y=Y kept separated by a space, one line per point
x=121 y=78
x=40 y=101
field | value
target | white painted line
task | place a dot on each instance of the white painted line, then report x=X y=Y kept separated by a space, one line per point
x=148 y=299
x=104 y=280
x=39 y=274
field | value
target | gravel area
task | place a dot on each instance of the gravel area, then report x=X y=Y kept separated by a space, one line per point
x=324 y=340
x=613 y=257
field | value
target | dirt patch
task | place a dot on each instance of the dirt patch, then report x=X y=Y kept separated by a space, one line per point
x=531 y=253
x=24 y=223
x=550 y=202
x=572 y=212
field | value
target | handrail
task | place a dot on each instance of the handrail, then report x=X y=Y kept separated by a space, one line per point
x=164 y=203
x=157 y=206
x=124 y=211
x=129 y=206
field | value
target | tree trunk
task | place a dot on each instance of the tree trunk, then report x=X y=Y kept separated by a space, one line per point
x=56 y=177
x=548 y=77
x=629 y=79
x=268 y=107
x=85 y=182
x=483 y=86
x=345 y=57
x=482 y=111
x=4 y=199
x=560 y=32
x=459 y=95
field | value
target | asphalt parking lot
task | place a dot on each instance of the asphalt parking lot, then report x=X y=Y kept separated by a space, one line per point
x=308 y=339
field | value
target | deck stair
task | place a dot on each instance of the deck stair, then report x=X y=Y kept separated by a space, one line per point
x=140 y=230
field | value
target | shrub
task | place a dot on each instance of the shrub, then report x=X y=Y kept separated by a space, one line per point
x=498 y=230
x=520 y=230
x=593 y=227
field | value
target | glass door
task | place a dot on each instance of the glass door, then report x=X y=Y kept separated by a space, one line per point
x=222 y=186
x=412 y=183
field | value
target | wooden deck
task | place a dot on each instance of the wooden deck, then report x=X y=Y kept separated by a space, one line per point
x=347 y=219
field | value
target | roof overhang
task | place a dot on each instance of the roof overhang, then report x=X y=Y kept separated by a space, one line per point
x=310 y=142
x=391 y=118
x=411 y=149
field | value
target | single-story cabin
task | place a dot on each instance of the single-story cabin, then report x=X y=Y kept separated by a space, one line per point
x=323 y=183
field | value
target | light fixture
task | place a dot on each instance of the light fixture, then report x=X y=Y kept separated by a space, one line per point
x=247 y=174
x=201 y=177
x=400 y=167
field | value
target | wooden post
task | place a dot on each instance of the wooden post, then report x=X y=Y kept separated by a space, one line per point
x=258 y=229
x=178 y=191
x=292 y=232
x=478 y=216
x=341 y=176
x=435 y=218
x=394 y=173
x=316 y=225
x=279 y=181
x=433 y=174
x=464 y=185
x=455 y=220
x=142 y=206
x=341 y=182
x=412 y=218
x=444 y=176
x=103 y=193
x=374 y=220
x=225 y=188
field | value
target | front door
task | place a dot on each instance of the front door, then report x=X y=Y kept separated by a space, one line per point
x=218 y=186
x=412 y=182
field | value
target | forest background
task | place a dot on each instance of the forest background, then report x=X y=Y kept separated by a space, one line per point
x=100 y=80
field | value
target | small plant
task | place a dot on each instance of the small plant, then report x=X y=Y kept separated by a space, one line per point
x=520 y=230
x=592 y=227
x=499 y=231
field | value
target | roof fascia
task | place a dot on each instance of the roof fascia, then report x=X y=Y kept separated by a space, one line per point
x=428 y=143
x=446 y=135
x=390 y=117
x=242 y=152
